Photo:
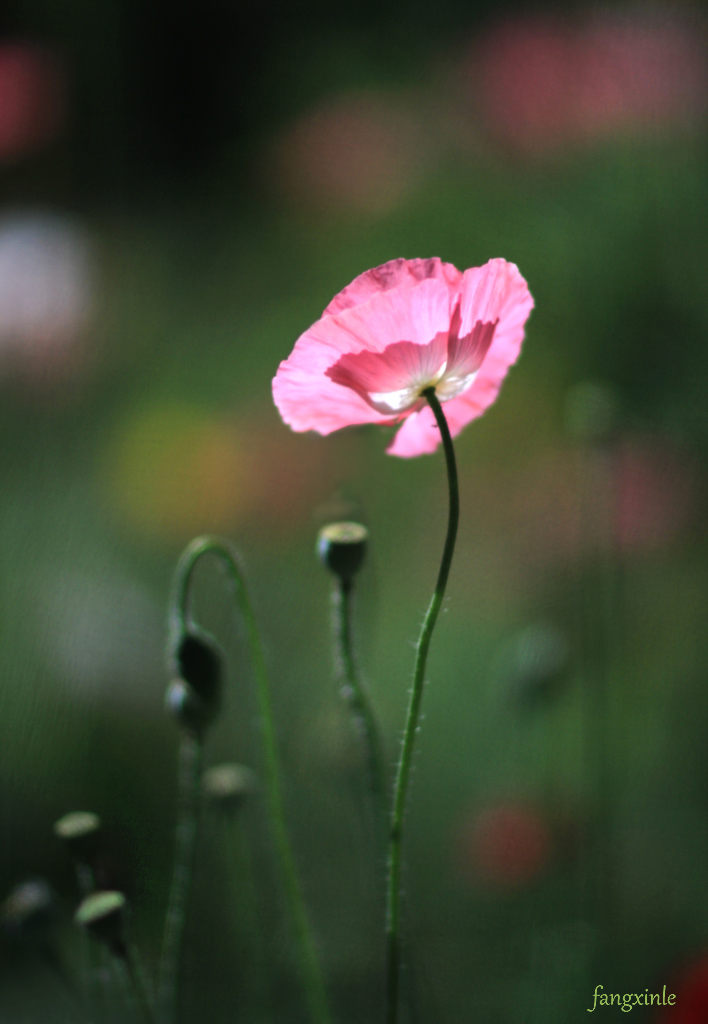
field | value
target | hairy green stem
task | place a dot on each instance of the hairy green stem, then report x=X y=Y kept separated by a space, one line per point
x=189 y=776
x=393 y=907
x=311 y=974
x=356 y=697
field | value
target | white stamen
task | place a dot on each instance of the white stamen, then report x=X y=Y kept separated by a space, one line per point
x=406 y=398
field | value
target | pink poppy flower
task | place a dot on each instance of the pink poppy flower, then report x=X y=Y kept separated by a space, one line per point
x=397 y=330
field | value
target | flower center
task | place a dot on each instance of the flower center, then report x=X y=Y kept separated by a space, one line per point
x=393 y=381
x=405 y=399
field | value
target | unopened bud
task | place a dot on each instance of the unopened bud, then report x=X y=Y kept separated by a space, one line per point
x=103 y=916
x=342 y=548
x=227 y=786
x=199 y=664
x=194 y=696
x=28 y=909
x=81 y=831
x=190 y=710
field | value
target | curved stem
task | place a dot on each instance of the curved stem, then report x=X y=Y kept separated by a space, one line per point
x=358 y=700
x=189 y=774
x=311 y=974
x=393 y=922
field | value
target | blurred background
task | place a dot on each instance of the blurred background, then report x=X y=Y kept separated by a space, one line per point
x=183 y=188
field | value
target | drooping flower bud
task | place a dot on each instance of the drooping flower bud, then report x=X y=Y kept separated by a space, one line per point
x=199 y=664
x=189 y=709
x=227 y=786
x=342 y=548
x=194 y=695
x=103 y=916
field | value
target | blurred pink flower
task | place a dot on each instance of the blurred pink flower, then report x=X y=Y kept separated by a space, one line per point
x=640 y=68
x=361 y=152
x=547 y=82
x=524 y=76
x=397 y=330
x=657 y=490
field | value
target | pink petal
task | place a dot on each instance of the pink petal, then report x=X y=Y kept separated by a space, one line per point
x=398 y=273
x=492 y=292
x=512 y=303
x=466 y=355
x=495 y=290
x=367 y=337
x=419 y=435
x=308 y=400
x=396 y=369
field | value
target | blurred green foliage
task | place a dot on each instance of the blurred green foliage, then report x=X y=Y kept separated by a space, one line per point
x=206 y=274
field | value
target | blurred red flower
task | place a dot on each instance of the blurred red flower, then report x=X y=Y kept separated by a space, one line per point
x=504 y=847
x=32 y=98
x=691 y=991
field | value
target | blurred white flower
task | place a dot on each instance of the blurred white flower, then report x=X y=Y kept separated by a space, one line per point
x=46 y=286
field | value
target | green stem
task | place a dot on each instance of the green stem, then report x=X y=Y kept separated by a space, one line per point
x=190 y=771
x=138 y=981
x=54 y=961
x=359 y=704
x=244 y=898
x=310 y=968
x=90 y=951
x=131 y=981
x=393 y=922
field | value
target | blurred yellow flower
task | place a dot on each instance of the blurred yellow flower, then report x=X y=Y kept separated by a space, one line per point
x=175 y=470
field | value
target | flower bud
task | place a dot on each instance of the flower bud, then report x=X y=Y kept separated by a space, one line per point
x=81 y=831
x=29 y=908
x=103 y=916
x=199 y=664
x=342 y=548
x=190 y=710
x=227 y=786
x=194 y=696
